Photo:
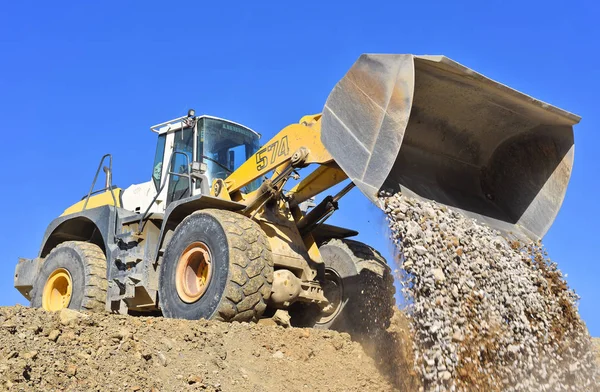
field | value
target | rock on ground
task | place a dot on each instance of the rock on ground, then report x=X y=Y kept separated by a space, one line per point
x=102 y=352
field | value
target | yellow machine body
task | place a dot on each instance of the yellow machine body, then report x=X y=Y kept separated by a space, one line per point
x=102 y=199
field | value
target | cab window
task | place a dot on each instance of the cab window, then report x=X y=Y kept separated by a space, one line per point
x=158 y=160
x=183 y=148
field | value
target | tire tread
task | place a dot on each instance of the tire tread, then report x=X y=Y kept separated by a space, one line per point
x=94 y=296
x=251 y=268
x=375 y=306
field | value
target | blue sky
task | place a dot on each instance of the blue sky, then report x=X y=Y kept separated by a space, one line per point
x=83 y=79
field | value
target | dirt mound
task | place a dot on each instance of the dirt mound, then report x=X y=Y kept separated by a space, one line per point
x=75 y=351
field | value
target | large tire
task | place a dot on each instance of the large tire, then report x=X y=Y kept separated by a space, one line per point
x=86 y=265
x=365 y=290
x=239 y=284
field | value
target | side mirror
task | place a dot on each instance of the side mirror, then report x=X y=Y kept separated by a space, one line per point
x=198 y=169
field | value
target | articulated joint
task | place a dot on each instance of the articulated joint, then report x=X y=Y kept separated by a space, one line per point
x=299 y=157
x=288 y=288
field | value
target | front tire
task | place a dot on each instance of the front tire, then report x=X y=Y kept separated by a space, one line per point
x=73 y=275
x=360 y=287
x=218 y=265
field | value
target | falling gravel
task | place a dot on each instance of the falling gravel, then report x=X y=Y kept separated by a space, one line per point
x=487 y=313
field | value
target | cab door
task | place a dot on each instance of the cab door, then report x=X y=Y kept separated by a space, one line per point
x=179 y=186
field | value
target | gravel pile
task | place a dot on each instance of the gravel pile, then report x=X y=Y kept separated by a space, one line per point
x=487 y=313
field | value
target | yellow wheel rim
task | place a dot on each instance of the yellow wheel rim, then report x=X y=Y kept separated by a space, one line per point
x=193 y=272
x=57 y=291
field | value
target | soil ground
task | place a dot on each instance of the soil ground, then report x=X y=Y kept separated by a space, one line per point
x=71 y=351
x=74 y=351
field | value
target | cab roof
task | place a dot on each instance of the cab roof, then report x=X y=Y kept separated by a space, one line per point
x=179 y=123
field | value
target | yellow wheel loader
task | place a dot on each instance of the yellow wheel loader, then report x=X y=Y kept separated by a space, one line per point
x=217 y=234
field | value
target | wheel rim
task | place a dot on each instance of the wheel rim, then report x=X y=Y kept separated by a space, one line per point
x=333 y=290
x=57 y=290
x=193 y=272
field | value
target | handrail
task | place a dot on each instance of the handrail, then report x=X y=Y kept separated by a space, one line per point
x=164 y=182
x=109 y=181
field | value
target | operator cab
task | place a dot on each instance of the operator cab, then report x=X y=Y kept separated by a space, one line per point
x=192 y=152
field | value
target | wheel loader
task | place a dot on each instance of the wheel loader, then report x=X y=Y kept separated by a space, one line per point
x=220 y=231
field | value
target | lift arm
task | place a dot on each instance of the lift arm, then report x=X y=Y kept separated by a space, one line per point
x=299 y=143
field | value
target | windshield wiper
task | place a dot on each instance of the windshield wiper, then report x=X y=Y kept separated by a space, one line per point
x=218 y=164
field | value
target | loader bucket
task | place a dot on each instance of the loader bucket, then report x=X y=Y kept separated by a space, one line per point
x=434 y=129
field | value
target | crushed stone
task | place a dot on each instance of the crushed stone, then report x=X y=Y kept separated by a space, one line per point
x=486 y=313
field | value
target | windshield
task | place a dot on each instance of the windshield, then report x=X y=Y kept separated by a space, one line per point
x=225 y=146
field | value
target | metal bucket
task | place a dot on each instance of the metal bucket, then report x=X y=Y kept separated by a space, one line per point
x=434 y=129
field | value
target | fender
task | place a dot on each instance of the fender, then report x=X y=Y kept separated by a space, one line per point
x=93 y=225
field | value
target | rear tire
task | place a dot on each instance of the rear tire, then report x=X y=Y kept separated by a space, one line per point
x=239 y=282
x=85 y=264
x=358 y=277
